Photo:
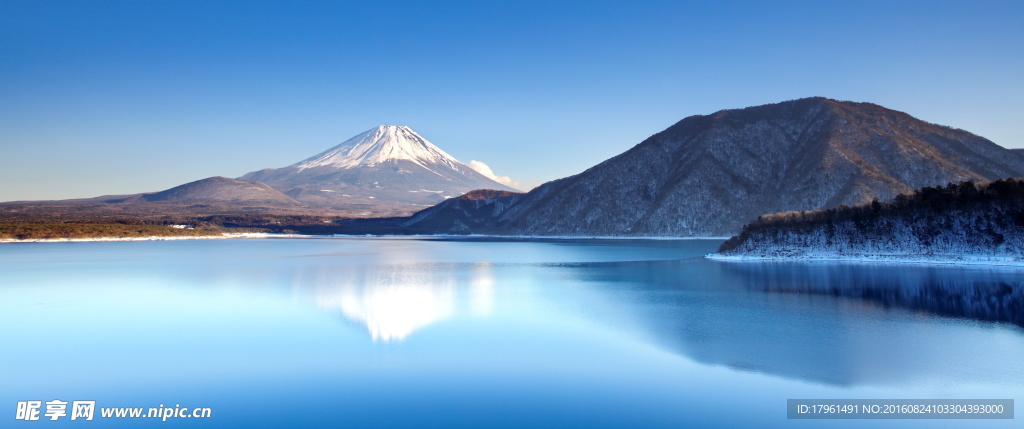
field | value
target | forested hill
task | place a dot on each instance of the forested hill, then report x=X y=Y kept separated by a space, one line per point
x=707 y=175
x=966 y=222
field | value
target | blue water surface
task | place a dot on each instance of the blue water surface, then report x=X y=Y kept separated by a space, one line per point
x=431 y=332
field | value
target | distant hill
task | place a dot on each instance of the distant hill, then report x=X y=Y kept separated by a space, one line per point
x=957 y=223
x=214 y=189
x=473 y=211
x=708 y=175
x=212 y=196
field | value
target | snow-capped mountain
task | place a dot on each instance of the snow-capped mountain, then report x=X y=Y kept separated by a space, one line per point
x=387 y=170
x=708 y=175
x=379 y=145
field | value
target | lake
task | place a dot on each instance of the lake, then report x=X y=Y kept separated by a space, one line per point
x=433 y=332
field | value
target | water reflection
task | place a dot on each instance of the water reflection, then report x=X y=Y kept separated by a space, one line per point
x=723 y=314
x=995 y=295
x=393 y=301
x=716 y=313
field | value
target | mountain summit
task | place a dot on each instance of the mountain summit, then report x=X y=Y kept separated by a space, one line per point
x=387 y=170
x=379 y=145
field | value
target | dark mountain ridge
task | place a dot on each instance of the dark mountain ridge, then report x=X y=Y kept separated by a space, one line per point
x=472 y=211
x=708 y=175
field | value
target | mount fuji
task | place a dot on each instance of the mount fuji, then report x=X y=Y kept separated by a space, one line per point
x=388 y=170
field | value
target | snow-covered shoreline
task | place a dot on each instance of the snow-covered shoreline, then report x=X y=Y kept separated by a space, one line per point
x=269 y=235
x=957 y=260
x=157 y=238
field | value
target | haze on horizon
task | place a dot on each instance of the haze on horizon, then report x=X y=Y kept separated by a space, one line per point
x=123 y=97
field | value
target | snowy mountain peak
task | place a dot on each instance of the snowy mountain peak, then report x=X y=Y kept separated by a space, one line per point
x=388 y=170
x=382 y=144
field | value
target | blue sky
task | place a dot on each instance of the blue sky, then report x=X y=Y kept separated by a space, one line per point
x=109 y=97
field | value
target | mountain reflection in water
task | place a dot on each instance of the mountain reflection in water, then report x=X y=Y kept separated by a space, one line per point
x=988 y=294
x=717 y=313
x=726 y=314
x=393 y=301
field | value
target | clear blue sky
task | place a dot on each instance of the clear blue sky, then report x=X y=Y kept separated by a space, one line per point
x=107 y=97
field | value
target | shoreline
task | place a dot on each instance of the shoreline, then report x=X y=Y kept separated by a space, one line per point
x=247 y=235
x=224 y=236
x=532 y=237
x=996 y=261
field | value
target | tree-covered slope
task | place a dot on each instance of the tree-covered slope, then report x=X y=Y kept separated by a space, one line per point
x=959 y=222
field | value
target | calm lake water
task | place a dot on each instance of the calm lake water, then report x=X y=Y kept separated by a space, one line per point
x=405 y=332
